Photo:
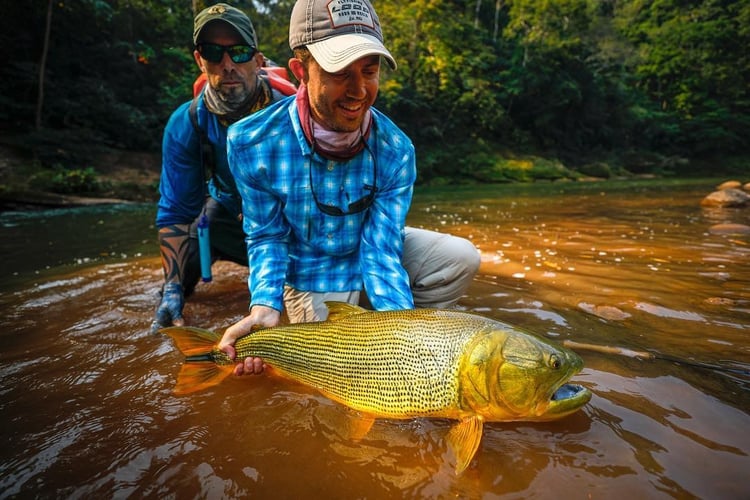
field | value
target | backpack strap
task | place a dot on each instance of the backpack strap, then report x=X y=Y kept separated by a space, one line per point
x=208 y=159
x=279 y=88
x=279 y=80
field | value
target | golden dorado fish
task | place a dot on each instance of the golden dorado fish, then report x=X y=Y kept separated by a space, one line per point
x=405 y=364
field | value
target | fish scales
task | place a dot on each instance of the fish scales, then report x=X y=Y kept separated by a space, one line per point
x=399 y=365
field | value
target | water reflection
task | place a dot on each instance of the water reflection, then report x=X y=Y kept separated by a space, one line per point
x=86 y=391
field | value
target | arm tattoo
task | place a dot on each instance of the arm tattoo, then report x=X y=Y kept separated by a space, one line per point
x=176 y=250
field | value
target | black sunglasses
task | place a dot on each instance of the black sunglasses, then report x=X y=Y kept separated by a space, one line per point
x=354 y=207
x=214 y=53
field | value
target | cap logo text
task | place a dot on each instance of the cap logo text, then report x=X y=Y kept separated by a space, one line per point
x=348 y=12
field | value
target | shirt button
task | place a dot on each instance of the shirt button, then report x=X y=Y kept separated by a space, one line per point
x=330 y=167
x=330 y=236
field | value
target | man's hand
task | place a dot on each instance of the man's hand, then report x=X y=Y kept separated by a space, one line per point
x=260 y=316
x=169 y=311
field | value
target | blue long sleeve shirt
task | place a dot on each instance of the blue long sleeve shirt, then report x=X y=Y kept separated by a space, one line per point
x=290 y=241
x=182 y=186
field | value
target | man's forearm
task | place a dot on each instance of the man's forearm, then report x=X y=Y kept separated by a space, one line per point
x=175 y=247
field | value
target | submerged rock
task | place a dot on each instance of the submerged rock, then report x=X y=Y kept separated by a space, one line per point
x=604 y=311
x=729 y=229
x=720 y=301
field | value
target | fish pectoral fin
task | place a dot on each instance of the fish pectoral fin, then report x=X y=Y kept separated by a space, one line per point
x=463 y=440
x=197 y=376
x=340 y=310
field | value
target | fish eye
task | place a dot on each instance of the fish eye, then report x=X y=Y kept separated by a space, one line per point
x=555 y=362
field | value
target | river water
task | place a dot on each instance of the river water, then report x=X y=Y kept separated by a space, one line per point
x=88 y=412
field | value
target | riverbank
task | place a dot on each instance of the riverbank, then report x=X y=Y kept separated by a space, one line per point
x=119 y=176
x=114 y=176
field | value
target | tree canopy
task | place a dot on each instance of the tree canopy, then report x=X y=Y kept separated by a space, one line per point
x=478 y=81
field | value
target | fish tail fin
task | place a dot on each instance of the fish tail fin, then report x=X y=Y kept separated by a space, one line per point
x=199 y=371
x=192 y=341
x=196 y=376
x=463 y=440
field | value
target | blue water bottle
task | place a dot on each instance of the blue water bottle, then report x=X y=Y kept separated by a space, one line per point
x=204 y=248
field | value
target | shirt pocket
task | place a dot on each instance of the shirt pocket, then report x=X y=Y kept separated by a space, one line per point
x=337 y=235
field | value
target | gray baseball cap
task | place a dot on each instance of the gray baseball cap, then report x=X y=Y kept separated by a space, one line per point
x=230 y=15
x=337 y=32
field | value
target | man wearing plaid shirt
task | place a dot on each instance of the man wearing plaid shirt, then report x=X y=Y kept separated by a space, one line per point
x=326 y=182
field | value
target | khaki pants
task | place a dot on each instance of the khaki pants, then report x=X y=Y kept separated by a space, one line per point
x=440 y=268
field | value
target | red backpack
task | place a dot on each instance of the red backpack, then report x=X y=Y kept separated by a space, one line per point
x=277 y=77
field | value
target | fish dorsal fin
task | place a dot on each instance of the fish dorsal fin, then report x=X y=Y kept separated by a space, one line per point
x=464 y=439
x=340 y=310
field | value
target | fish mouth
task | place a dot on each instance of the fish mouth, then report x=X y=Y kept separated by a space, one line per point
x=567 y=391
x=567 y=399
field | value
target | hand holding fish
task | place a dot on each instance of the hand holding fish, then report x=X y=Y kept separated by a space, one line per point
x=260 y=316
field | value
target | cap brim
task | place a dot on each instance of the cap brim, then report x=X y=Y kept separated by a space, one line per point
x=336 y=53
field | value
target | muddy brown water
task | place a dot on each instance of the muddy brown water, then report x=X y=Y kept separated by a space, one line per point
x=87 y=408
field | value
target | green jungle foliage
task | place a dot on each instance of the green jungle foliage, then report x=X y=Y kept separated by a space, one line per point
x=66 y=181
x=599 y=86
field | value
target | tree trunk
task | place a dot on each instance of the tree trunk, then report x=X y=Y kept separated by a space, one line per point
x=42 y=65
x=496 y=29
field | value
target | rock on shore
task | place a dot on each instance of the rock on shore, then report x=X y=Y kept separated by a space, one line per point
x=728 y=194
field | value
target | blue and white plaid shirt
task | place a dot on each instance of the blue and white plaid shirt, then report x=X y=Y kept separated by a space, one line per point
x=290 y=241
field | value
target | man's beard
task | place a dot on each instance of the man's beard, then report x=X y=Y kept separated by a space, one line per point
x=233 y=96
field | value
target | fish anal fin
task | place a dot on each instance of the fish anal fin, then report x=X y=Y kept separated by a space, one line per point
x=358 y=422
x=198 y=376
x=340 y=310
x=464 y=439
x=359 y=425
x=192 y=341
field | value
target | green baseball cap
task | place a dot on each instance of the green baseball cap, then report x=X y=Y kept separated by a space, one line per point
x=230 y=15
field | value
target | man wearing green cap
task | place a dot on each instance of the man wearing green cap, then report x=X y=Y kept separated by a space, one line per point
x=194 y=149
